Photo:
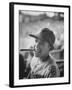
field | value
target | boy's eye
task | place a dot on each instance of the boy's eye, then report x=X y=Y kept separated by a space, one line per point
x=39 y=41
x=36 y=40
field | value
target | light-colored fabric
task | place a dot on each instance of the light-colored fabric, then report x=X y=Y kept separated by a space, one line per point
x=45 y=69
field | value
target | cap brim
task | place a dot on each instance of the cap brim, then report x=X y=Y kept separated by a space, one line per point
x=34 y=36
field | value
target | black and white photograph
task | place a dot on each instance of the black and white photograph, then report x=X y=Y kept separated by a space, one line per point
x=42 y=35
x=40 y=46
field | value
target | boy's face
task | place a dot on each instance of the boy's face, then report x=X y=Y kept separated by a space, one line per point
x=41 y=48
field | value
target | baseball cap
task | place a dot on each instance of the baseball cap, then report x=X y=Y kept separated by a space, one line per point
x=45 y=35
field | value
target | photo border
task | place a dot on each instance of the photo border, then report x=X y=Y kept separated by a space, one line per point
x=11 y=42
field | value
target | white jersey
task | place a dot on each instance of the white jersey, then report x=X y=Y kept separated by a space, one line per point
x=45 y=69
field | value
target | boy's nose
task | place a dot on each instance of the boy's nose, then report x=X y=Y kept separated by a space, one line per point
x=36 y=46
